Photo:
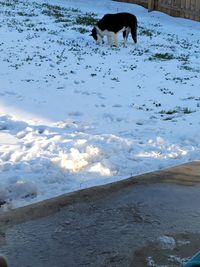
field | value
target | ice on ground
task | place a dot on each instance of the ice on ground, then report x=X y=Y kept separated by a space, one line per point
x=167 y=242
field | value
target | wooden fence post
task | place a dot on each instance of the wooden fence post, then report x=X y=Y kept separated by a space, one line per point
x=151 y=5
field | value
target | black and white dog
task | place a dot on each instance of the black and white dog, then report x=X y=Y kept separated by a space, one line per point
x=111 y=24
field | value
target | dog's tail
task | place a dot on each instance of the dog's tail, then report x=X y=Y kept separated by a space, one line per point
x=134 y=30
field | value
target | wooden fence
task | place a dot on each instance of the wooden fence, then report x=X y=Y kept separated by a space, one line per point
x=189 y=9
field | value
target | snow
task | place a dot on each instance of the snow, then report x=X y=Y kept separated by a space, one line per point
x=167 y=242
x=74 y=114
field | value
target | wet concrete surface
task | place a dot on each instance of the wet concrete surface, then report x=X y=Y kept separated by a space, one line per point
x=120 y=224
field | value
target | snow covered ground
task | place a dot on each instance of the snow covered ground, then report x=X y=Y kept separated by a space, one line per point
x=74 y=114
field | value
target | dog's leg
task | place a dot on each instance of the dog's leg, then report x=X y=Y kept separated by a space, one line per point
x=109 y=38
x=115 y=39
x=125 y=35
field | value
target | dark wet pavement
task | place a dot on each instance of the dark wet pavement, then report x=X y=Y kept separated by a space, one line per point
x=114 y=225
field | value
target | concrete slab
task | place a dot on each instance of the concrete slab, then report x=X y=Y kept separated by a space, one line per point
x=149 y=220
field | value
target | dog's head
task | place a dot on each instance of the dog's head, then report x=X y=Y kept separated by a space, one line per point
x=96 y=35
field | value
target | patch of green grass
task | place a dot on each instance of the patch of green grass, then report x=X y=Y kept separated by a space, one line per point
x=183 y=58
x=139 y=52
x=166 y=91
x=156 y=25
x=51 y=7
x=132 y=67
x=185 y=44
x=80 y=29
x=186 y=67
x=24 y=14
x=30 y=25
x=52 y=32
x=146 y=32
x=75 y=10
x=162 y=56
x=116 y=79
x=89 y=19
x=40 y=29
x=63 y=20
x=6 y=4
x=157 y=104
x=53 y=11
x=177 y=110
x=169 y=112
x=182 y=80
x=187 y=110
